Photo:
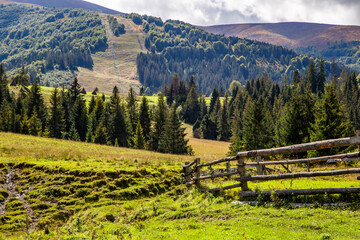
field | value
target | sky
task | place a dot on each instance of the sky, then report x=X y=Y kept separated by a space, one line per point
x=214 y=12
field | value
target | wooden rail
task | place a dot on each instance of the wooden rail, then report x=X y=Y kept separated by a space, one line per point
x=194 y=174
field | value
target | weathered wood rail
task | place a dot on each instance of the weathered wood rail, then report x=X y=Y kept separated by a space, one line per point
x=194 y=173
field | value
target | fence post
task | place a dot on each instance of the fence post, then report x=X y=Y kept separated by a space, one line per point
x=197 y=171
x=228 y=168
x=242 y=172
x=259 y=168
x=358 y=134
x=187 y=172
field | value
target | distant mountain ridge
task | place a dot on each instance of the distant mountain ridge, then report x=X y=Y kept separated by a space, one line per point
x=290 y=34
x=70 y=4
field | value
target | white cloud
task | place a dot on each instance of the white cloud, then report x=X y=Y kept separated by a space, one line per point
x=210 y=12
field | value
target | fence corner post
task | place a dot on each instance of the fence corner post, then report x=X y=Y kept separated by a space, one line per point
x=187 y=173
x=242 y=172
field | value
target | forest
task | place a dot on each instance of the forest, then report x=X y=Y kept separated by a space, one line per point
x=118 y=122
x=216 y=60
x=47 y=40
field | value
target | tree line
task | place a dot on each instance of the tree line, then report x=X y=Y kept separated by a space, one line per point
x=262 y=114
x=118 y=122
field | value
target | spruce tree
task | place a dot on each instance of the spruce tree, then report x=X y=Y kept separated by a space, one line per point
x=351 y=95
x=214 y=98
x=330 y=121
x=22 y=78
x=92 y=104
x=144 y=118
x=36 y=101
x=159 y=126
x=296 y=77
x=173 y=139
x=56 y=120
x=223 y=126
x=311 y=78
x=34 y=124
x=74 y=91
x=236 y=130
x=208 y=128
x=25 y=127
x=100 y=135
x=5 y=116
x=132 y=108
x=4 y=89
x=321 y=77
x=256 y=127
x=191 y=108
x=119 y=126
x=139 y=137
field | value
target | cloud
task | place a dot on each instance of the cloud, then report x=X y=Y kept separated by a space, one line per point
x=210 y=12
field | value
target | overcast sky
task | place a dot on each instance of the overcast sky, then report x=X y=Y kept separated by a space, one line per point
x=212 y=12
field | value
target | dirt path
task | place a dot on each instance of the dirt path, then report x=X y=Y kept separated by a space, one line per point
x=10 y=186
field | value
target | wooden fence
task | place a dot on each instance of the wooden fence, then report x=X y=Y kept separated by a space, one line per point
x=194 y=173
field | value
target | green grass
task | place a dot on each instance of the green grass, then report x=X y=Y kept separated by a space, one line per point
x=87 y=191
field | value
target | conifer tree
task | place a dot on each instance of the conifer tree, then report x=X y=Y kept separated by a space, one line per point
x=311 y=78
x=236 y=138
x=119 y=127
x=56 y=120
x=223 y=126
x=144 y=118
x=208 y=128
x=22 y=78
x=173 y=139
x=92 y=104
x=74 y=91
x=36 y=101
x=203 y=108
x=73 y=134
x=182 y=93
x=214 y=98
x=351 y=97
x=330 y=120
x=132 y=108
x=5 y=116
x=34 y=124
x=79 y=117
x=99 y=111
x=100 y=135
x=139 y=137
x=321 y=77
x=296 y=77
x=159 y=126
x=25 y=128
x=191 y=108
x=4 y=89
x=256 y=127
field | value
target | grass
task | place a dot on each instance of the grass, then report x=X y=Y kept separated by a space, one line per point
x=87 y=191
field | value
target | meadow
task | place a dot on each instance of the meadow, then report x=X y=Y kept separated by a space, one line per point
x=57 y=189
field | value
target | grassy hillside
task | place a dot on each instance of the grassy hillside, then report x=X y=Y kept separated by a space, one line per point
x=57 y=189
x=117 y=65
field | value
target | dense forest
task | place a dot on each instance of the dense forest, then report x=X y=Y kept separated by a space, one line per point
x=344 y=53
x=118 y=122
x=47 y=40
x=261 y=114
x=216 y=60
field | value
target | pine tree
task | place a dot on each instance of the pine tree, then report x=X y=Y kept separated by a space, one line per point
x=159 y=126
x=223 y=126
x=74 y=91
x=173 y=139
x=191 y=108
x=25 y=128
x=139 y=137
x=144 y=118
x=182 y=93
x=5 y=116
x=56 y=120
x=330 y=121
x=351 y=97
x=100 y=135
x=79 y=117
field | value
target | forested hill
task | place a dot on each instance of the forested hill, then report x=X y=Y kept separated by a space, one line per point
x=214 y=60
x=69 y=4
x=330 y=41
x=49 y=40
